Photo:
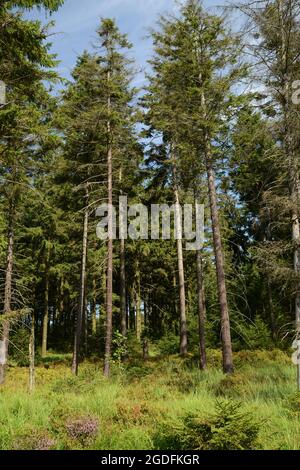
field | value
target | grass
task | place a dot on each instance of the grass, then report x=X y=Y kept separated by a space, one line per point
x=127 y=411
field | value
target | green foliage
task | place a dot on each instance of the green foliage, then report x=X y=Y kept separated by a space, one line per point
x=120 y=348
x=19 y=352
x=230 y=428
x=293 y=403
x=51 y=5
x=132 y=409
x=168 y=344
x=252 y=335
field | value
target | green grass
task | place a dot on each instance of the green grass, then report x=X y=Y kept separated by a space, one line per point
x=132 y=406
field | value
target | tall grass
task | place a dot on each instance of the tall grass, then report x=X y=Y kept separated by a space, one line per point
x=131 y=406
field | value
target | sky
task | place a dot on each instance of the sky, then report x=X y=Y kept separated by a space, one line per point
x=77 y=21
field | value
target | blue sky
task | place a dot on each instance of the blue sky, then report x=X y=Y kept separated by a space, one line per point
x=77 y=20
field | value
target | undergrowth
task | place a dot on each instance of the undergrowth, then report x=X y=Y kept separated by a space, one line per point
x=163 y=403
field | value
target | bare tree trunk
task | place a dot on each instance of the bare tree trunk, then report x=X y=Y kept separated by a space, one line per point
x=132 y=316
x=222 y=293
x=46 y=308
x=145 y=349
x=138 y=304
x=80 y=316
x=123 y=289
x=296 y=240
x=201 y=311
x=32 y=355
x=123 y=306
x=175 y=301
x=86 y=324
x=109 y=285
x=7 y=296
x=286 y=23
x=181 y=278
x=103 y=286
x=61 y=300
x=94 y=307
x=271 y=309
x=295 y=197
x=9 y=269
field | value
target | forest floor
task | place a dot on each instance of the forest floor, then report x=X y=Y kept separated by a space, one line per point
x=142 y=401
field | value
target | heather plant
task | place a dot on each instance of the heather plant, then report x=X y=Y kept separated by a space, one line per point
x=82 y=429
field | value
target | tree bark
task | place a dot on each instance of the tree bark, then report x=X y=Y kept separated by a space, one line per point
x=222 y=292
x=80 y=316
x=61 y=300
x=86 y=324
x=123 y=289
x=271 y=309
x=201 y=311
x=145 y=349
x=32 y=355
x=109 y=285
x=9 y=268
x=7 y=294
x=291 y=157
x=46 y=308
x=137 y=299
x=94 y=307
x=181 y=277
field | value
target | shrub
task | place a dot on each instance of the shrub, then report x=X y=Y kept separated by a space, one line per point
x=229 y=428
x=230 y=385
x=168 y=344
x=35 y=440
x=253 y=335
x=131 y=413
x=261 y=357
x=82 y=429
x=136 y=370
x=293 y=403
x=120 y=349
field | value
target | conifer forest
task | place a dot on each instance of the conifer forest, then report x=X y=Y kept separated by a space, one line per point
x=149 y=225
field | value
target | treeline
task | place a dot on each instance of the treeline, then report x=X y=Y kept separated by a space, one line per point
x=217 y=123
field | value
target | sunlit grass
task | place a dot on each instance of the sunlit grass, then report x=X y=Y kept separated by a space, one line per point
x=133 y=404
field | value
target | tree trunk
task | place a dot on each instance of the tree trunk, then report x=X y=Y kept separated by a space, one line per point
x=182 y=302
x=145 y=349
x=123 y=289
x=86 y=324
x=222 y=293
x=296 y=240
x=9 y=269
x=94 y=307
x=132 y=317
x=32 y=355
x=109 y=285
x=61 y=301
x=201 y=311
x=80 y=316
x=271 y=309
x=146 y=316
x=295 y=197
x=7 y=296
x=46 y=310
x=291 y=157
x=138 y=313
